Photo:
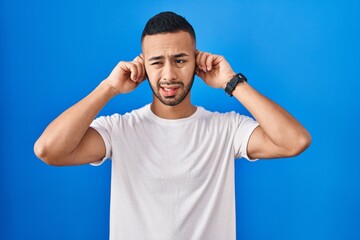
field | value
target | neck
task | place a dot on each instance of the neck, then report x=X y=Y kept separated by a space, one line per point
x=182 y=110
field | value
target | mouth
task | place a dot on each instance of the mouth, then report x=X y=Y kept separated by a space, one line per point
x=169 y=90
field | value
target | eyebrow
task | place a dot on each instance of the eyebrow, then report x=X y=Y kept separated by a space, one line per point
x=172 y=56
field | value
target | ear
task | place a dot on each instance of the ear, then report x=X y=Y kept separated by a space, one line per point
x=142 y=57
x=196 y=70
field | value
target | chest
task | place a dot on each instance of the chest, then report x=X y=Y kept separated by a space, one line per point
x=169 y=157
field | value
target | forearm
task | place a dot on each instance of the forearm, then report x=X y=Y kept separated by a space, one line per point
x=64 y=134
x=279 y=126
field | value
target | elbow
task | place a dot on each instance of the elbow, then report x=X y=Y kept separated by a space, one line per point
x=301 y=143
x=42 y=152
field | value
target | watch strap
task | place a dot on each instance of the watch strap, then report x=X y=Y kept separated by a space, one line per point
x=231 y=85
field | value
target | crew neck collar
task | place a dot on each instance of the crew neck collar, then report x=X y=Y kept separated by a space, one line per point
x=156 y=118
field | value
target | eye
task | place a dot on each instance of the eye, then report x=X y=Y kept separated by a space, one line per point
x=180 y=61
x=155 y=63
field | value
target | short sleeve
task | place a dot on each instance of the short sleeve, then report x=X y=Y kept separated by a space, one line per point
x=244 y=128
x=103 y=125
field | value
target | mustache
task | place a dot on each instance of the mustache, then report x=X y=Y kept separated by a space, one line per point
x=167 y=83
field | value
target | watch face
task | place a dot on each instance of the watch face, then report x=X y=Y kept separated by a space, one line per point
x=241 y=77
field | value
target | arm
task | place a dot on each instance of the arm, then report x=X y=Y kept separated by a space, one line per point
x=279 y=133
x=69 y=140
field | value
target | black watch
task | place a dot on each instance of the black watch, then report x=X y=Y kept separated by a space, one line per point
x=230 y=86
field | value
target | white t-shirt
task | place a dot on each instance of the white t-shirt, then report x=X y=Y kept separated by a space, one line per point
x=173 y=179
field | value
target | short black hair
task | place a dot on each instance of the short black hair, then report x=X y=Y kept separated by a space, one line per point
x=167 y=22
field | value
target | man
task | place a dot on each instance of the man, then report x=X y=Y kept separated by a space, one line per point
x=172 y=162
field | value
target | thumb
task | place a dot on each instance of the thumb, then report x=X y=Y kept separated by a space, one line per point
x=201 y=74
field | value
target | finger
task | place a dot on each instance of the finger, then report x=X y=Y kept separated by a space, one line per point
x=133 y=71
x=203 y=61
x=197 y=70
x=125 y=67
x=139 y=61
x=197 y=53
x=210 y=62
x=197 y=58
x=140 y=71
x=201 y=74
x=142 y=60
x=141 y=76
x=200 y=60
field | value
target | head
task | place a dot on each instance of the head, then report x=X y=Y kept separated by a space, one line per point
x=167 y=22
x=169 y=46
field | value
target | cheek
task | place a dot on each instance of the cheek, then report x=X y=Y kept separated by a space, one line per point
x=192 y=66
x=150 y=73
x=153 y=78
x=190 y=71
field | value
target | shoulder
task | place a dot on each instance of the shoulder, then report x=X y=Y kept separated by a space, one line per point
x=221 y=116
x=126 y=118
x=228 y=120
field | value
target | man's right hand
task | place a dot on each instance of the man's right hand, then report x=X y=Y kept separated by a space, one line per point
x=126 y=76
x=69 y=140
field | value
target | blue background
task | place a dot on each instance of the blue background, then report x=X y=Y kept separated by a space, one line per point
x=305 y=55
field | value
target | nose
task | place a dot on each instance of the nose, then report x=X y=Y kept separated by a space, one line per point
x=169 y=72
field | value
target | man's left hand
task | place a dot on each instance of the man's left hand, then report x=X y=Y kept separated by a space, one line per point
x=213 y=69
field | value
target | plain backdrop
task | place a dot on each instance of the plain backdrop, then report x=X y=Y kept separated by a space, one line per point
x=304 y=55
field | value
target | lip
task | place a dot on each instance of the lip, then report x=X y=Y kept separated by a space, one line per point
x=169 y=91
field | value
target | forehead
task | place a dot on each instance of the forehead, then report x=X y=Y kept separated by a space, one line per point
x=167 y=43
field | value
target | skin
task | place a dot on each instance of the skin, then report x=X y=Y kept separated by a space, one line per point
x=170 y=61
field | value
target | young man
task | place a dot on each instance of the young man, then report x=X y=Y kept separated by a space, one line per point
x=172 y=162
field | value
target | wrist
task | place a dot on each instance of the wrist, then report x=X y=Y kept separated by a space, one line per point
x=235 y=81
x=228 y=79
x=108 y=87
